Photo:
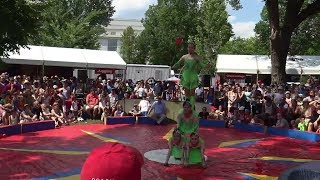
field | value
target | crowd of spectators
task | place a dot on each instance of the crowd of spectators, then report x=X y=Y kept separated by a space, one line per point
x=24 y=99
x=294 y=106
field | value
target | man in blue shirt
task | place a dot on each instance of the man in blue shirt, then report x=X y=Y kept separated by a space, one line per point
x=159 y=111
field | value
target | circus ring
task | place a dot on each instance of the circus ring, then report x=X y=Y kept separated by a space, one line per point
x=231 y=153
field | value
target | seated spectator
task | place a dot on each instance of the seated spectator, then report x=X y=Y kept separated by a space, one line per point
x=257 y=119
x=159 y=111
x=46 y=113
x=36 y=110
x=14 y=117
x=57 y=115
x=106 y=112
x=281 y=122
x=135 y=111
x=119 y=112
x=103 y=102
x=204 y=114
x=92 y=101
x=302 y=124
x=26 y=115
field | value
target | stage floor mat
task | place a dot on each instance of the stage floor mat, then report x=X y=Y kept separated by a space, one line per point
x=231 y=154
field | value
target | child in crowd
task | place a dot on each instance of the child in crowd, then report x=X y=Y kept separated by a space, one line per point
x=106 y=112
x=302 y=124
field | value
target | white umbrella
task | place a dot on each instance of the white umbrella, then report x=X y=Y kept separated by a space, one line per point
x=175 y=79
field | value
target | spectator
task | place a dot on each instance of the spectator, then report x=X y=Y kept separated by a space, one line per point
x=92 y=101
x=57 y=115
x=27 y=115
x=204 y=113
x=281 y=122
x=144 y=105
x=135 y=111
x=159 y=111
x=119 y=111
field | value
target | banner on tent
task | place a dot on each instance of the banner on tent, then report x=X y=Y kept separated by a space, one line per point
x=104 y=71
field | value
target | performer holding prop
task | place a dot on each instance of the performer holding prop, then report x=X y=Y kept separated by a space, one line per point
x=191 y=65
x=176 y=145
x=195 y=150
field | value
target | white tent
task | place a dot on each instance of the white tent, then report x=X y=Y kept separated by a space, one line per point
x=67 y=57
x=236 y=64
x=251 y=64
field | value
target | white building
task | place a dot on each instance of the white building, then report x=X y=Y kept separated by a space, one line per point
x=111 y=40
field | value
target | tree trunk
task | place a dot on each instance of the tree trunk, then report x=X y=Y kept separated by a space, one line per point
x=279 y=44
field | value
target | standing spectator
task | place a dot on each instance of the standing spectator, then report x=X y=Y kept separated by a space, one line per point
x=144 y=106
x=199 y=93
x=158 y=89
x=113 y=99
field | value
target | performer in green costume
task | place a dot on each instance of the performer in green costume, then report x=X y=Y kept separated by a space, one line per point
x=187 y=120
x=176 y=147
x=191 y=65
x=195 y=150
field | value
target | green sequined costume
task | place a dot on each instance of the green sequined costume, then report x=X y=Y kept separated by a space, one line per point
x=195 y=155
x=190 y=71
x=177 y=150
x=187 y=127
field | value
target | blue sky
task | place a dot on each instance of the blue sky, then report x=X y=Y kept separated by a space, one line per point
x=243 y=20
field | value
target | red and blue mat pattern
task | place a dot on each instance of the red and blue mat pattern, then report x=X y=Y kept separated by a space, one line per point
x=232 y=154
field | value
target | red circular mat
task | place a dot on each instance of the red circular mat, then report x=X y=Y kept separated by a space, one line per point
x=232 y=154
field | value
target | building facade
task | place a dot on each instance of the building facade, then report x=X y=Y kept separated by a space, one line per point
x=111 y=39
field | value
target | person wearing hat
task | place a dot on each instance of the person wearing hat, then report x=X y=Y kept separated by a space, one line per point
x=113 y=161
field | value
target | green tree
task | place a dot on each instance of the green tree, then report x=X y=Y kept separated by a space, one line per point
x=18 y=24
x=165 y=22
x=304 y=40
x=73 y=23
x=141 y=49
x=128 y=40
x=213 y=30
x=244 y=46
x=284 y=18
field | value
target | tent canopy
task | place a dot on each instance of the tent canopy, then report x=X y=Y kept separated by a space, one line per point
x=66 y=57
x=251 y=64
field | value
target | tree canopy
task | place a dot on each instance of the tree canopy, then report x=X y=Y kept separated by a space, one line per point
x=73 y=23
x=18 y=24
x=203 y=22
